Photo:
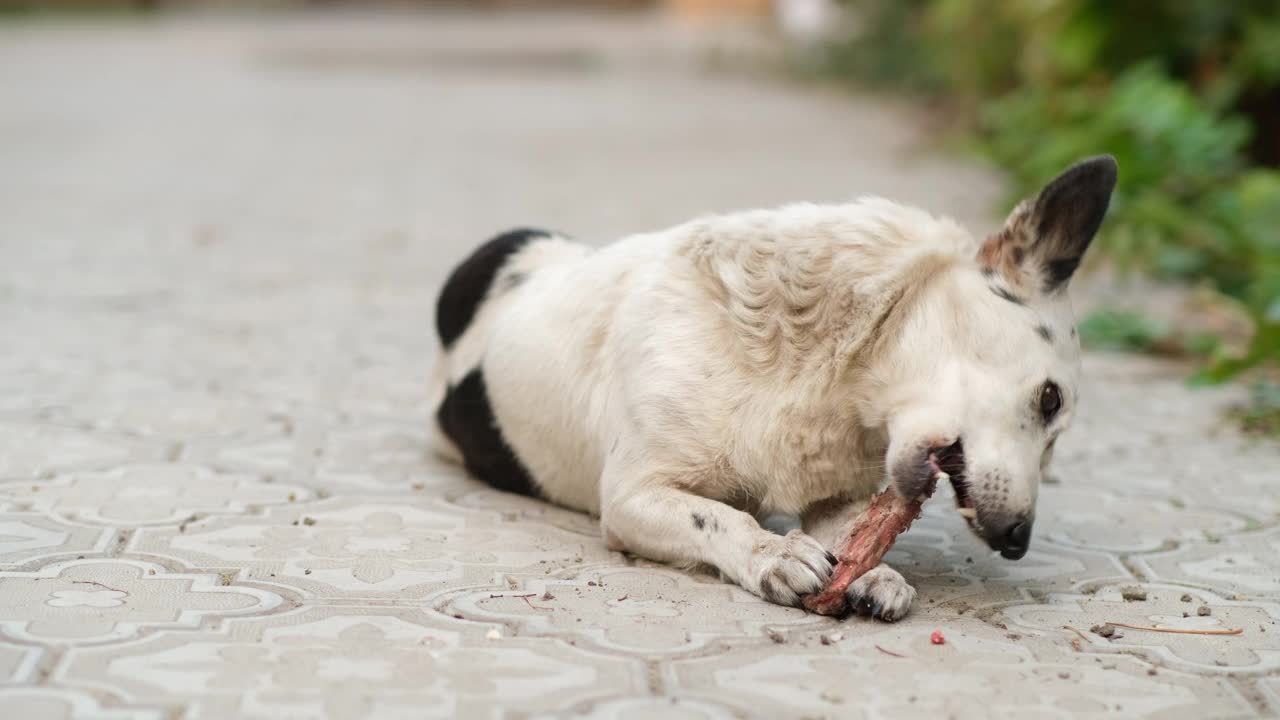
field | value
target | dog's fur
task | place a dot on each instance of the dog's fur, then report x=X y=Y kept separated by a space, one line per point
x=683 y=383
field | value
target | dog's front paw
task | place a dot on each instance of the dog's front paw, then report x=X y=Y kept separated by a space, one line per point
x=782 y=569
x=881 y=593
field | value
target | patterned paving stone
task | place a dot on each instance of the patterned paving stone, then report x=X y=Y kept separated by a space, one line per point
x=399 y=548
x=148 y=494
x=644 y=610
x=18 y=663
x=351 y=663
x=93 y=601
x=60 y=704
x=33 y=450
x=1256 y=650
x=979 y=672
x=1245 y=564
x=29 y=536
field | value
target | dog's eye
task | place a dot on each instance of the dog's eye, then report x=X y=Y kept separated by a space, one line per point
x=1050 y=401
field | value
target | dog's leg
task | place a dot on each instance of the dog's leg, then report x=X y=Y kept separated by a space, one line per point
x=665 y=523
x=882 y=593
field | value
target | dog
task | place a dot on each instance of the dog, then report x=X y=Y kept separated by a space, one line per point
x=681 y=384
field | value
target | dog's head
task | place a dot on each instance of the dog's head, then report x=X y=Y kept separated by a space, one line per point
x=986 y=370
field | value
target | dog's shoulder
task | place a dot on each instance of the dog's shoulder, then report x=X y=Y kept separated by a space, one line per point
x=802 y=281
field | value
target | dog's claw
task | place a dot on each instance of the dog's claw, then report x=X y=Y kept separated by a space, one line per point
x=785 y=569
x=881 y=593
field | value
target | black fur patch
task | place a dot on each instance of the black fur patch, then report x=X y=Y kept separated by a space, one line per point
x=470 y=281
x=769 y=589
x=1004 y=294
x=699 y=522
x=467 y=418
x=1045 y=332
x=1059 y=272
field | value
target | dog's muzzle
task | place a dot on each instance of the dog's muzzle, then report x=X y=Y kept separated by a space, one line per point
x=1011 y=538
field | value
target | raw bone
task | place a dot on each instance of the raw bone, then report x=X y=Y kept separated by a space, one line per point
x=871 y=536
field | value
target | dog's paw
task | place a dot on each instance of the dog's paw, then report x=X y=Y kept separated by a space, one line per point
x=782 y=569
x=881 y=593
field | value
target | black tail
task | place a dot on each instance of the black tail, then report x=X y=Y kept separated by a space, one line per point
x=469 y=283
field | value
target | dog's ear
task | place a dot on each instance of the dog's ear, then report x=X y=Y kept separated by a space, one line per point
x=1044 y=238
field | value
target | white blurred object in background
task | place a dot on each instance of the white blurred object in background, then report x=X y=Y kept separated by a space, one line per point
x=805 y=20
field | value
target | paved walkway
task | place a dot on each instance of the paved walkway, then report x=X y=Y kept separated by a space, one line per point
x=219 y=246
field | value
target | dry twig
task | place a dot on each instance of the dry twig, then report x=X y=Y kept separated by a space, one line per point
x=1235 y=631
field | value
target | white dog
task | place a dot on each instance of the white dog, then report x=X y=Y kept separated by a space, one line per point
x=683 y=383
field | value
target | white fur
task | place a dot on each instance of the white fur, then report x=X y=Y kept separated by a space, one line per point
x=679 y=384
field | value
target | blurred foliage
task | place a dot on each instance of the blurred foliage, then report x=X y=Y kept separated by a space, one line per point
x=1122 y=330
x=1185 y=94
x=1130 y=331
x=1262 y=414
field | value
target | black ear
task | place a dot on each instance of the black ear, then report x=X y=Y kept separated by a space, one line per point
x=1067 y=214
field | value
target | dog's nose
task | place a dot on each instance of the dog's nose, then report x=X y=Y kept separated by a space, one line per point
x=1016 y=538
x=1010 y=537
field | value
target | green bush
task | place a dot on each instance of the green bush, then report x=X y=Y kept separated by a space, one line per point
x=1185 y=94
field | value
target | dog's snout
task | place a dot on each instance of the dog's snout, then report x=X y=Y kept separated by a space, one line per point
x=1012 y=538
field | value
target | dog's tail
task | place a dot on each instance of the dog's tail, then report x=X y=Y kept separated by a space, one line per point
x=475 y=291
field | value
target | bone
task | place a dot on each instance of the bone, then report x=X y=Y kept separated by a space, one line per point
x=872 y=534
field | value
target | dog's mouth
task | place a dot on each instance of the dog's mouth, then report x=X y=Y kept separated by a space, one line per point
x=949 y=461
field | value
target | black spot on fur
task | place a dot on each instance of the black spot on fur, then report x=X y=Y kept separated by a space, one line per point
x=769 y=590
x=470 y=281
x=1045 y=332
x=467 y=418
x=699 y=522
x=1004 y=294
x=988 y=271
x=1058 y=272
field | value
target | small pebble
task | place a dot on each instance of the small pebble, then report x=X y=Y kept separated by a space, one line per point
x=1186 y=597
x=1064 y=674
x=1203 y=610
x=1133 y=595
x=493 y=634
x=308 y=521
x=776 y=636
x=1105 y=630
